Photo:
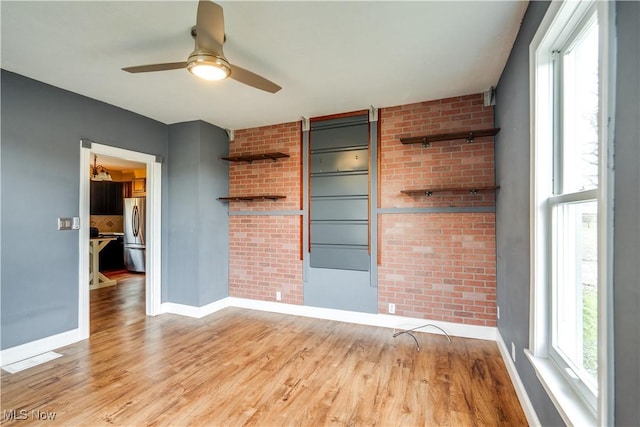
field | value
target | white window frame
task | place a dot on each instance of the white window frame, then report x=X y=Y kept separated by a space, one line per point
x=561 y=19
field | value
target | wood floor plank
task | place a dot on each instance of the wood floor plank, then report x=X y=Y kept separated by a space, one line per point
x=243 y=367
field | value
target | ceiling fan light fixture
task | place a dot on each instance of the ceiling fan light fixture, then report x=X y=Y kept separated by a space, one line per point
x=208 y=67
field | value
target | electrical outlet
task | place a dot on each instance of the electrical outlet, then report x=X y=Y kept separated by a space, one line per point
x=278 y=296
x=498 y=312
x=392 y=308
x=513 y=351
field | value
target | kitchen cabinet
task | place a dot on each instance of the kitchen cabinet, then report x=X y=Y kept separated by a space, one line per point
x=138 y=187
x=106 y=198
x=112 y=256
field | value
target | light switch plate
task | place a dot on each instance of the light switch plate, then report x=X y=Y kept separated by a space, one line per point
x=69 y=223
x=64 y=223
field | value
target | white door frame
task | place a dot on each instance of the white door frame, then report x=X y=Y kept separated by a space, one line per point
x=153 y=227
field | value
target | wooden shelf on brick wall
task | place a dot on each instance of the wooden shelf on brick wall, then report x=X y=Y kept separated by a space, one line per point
x=430 y=191
x=249 y=158
x=468 y=135
x=251 y=198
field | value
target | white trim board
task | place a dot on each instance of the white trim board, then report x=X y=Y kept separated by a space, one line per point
x=523 y=397
x=371 y=319
x=560 y=20
x=153 y=227
x=31 y=362
x=34 y=348
x=191 y=311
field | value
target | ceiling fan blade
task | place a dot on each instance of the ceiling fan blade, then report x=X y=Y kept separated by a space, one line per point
x=252 y=79
x=156 y=67
x=210 y=27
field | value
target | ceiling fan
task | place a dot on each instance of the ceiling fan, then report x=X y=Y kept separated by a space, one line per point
x=207 y=61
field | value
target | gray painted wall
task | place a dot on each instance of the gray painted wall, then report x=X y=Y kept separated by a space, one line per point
x=512 y=211
x=183 y=183
x=627 y=217
x=198 y=245
x=40 y=172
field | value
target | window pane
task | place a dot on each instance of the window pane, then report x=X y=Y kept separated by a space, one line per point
x=580 y=112
x=575 y=287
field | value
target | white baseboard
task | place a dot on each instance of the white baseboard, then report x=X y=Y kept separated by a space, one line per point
x=34 y=348
x=371 y=319
x=523 y=397
x=191 y=311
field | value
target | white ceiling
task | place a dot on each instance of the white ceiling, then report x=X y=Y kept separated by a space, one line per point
x=328 y=56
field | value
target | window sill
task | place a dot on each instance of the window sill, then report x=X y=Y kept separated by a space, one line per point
x=571 y=407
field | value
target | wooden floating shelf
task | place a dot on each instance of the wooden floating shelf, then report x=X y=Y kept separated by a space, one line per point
x=249 y=158
x=468 y=135
x=431 y=191
x=251 y=198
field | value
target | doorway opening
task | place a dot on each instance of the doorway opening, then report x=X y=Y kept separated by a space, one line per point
x=120 y=225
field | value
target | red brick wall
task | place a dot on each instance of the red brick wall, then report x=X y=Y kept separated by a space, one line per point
x=265 y=249
x=438 y=266
x=265 y=258
x=445 y=163
x=282 y=177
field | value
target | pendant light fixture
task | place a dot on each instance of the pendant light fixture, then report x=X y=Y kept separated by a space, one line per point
x=99 y=172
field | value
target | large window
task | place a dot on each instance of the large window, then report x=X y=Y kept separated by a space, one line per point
x=570 y=209
x=573 y=207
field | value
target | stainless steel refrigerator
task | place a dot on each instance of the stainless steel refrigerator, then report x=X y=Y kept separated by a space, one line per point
x=134 y=236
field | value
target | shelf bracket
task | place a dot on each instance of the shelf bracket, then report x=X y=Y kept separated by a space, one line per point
x=470 y=138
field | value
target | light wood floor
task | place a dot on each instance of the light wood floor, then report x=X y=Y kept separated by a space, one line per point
x=242 y=367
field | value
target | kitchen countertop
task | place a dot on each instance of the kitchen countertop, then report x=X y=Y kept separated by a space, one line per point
x=110 y=234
